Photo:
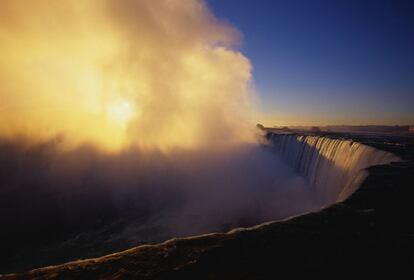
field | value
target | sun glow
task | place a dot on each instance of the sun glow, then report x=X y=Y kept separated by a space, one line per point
x=104 y=72
x=120 y=112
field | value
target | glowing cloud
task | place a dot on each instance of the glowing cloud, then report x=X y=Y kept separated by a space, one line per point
x=156 y=74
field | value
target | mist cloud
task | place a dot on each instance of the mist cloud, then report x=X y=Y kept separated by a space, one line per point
x=156 y=74
x=62 y=205
x=126 y=122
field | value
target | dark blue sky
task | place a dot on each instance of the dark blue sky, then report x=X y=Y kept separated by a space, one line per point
x=328 y=61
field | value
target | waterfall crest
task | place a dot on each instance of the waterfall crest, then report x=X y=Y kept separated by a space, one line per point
x=334 y=167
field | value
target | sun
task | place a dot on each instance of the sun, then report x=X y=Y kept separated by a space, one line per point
x=120 y=112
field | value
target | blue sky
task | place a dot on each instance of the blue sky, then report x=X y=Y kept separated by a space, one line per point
x=328 y=61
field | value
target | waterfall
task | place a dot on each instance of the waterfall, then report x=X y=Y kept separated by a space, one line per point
x=334 y=167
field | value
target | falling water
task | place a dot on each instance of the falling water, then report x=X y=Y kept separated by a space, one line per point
x=334 y=167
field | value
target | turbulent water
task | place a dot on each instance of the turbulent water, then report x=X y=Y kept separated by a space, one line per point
x=79 y=204
x=334 y=167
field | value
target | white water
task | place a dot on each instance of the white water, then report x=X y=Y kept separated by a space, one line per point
x=334 y=167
